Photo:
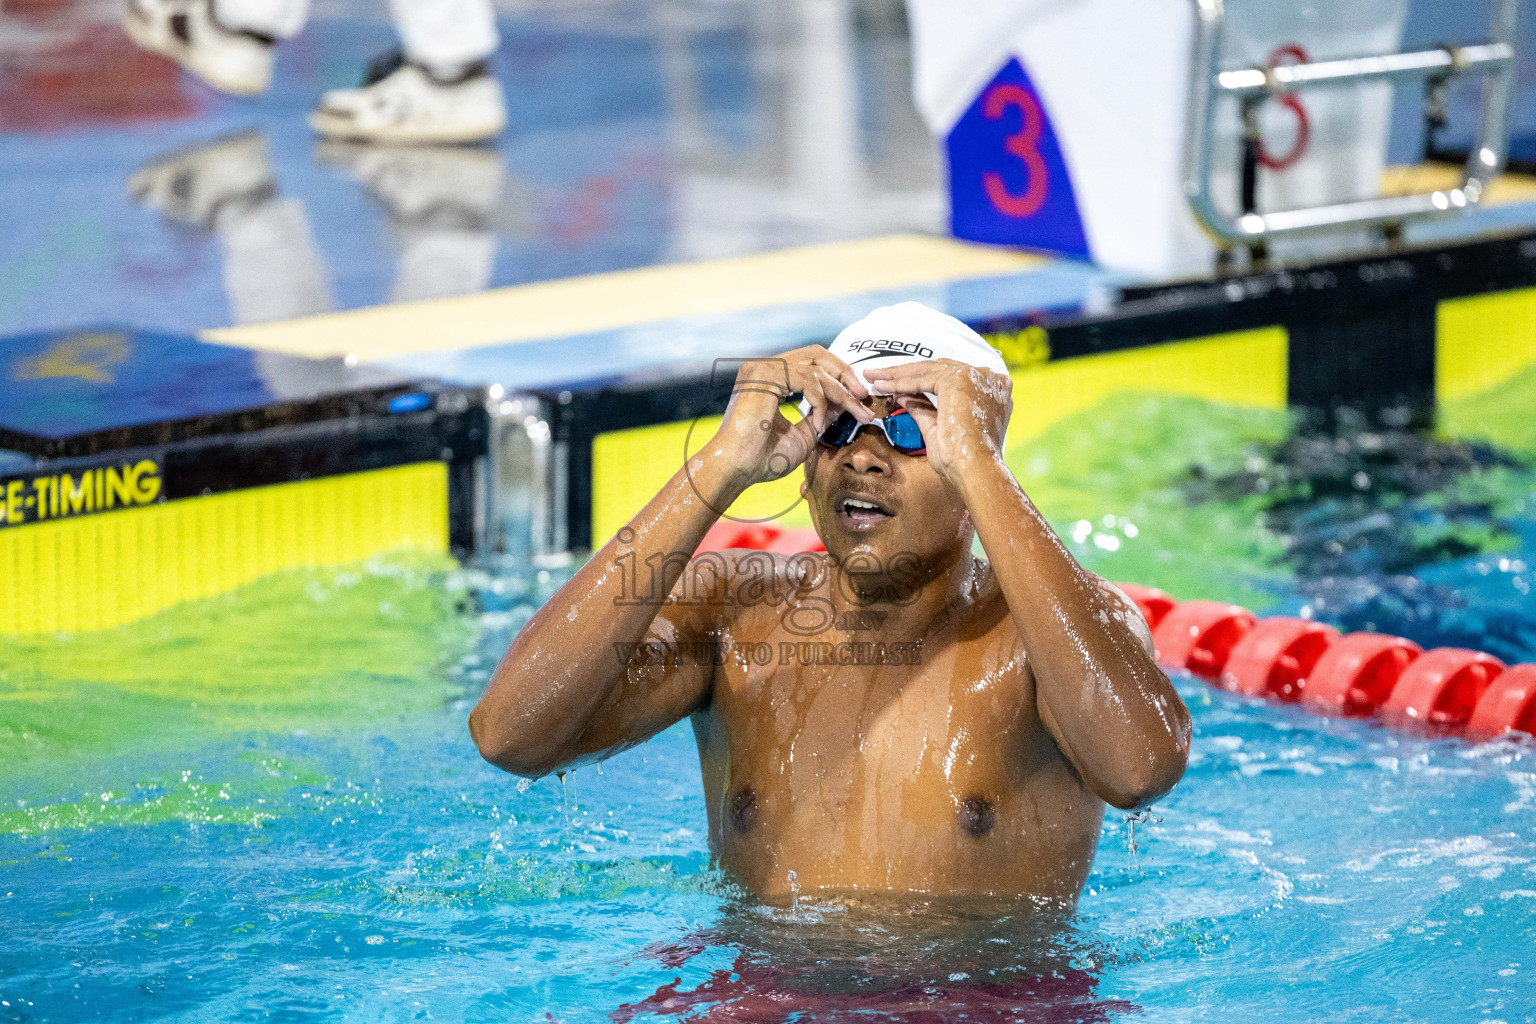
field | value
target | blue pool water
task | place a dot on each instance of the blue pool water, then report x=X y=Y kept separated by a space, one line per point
x=255 y=848
x=1303 y=870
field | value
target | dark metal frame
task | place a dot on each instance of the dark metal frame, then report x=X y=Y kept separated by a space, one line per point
x=1251 y=86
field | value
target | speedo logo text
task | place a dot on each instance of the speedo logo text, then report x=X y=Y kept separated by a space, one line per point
x=893 y=347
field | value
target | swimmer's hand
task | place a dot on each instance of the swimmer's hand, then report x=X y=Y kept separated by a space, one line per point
x=756 y=440
x=967 y=424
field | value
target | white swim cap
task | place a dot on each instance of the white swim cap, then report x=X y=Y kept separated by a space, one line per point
x=908 y=332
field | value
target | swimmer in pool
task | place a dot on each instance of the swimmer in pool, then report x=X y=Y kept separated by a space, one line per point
x=894 y=714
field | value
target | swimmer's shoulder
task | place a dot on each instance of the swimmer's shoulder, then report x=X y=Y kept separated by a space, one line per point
x=989 y=599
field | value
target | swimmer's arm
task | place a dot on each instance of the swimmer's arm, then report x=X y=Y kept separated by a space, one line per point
x=605 y=664
x=1111 y=710
x=570 y=688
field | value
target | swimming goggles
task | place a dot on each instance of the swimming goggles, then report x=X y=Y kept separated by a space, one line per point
x=900 y=429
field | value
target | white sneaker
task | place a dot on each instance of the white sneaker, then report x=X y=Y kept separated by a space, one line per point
x=187 y=32
x=410 y=106
x=191 y=186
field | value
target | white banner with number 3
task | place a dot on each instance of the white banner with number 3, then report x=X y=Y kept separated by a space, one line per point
x=1064 y=120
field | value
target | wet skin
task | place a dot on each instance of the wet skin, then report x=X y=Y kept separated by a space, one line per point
x=937 y=777
x=973 y=753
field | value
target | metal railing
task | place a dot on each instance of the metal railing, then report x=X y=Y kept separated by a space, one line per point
x=1252 y=86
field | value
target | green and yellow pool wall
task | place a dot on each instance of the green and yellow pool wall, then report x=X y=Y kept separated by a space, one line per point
x=1245 y=369
x=1485 y=365
x=1483 y=344
x=1136 y=398
x=87 y=566
x=1142 y=416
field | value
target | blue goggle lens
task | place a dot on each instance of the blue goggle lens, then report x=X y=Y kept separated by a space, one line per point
x=900 y=430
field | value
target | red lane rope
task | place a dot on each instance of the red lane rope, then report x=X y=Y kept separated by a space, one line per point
x=1444 y=691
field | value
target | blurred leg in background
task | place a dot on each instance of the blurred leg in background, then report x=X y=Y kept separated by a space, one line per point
x=437 y=88
x=272 y=268
x=441 y=201
x=228 y=44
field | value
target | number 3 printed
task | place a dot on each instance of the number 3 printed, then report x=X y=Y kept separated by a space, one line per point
x=1021 y=144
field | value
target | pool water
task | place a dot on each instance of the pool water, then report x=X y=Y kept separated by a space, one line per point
x=265 y=806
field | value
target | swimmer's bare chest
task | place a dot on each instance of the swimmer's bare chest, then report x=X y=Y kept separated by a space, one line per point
x=928 y=770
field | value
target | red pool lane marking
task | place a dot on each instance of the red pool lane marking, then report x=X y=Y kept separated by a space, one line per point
x=759 y=537
x=1440 y=688
x=728 y=533
x=1200 y=635
x=1446 y=690
x=1355 y=676
x=793 y=542
x=1508 y=703
x=1277 y=657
